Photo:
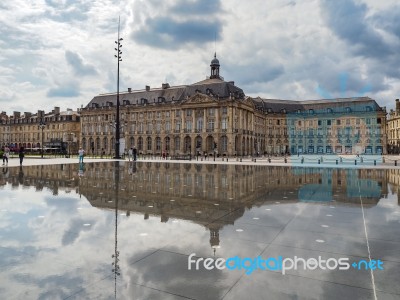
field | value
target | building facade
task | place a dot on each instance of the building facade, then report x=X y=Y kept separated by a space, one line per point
x=393 y=130
x=214 y=116
x=56 y=131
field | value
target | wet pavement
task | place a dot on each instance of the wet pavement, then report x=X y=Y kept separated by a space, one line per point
x=120 y=230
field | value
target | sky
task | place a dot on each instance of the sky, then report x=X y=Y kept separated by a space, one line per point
x=61 y=52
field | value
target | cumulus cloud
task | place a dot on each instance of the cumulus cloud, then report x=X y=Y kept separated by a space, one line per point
x=185 y=22
x=78 y=65
x=282 y=49
x=66 y=90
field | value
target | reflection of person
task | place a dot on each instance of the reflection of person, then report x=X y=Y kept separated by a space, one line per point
x=81 y=153
x=21 y=175
x=81 y=170
x=21 y=155
x=6 y=154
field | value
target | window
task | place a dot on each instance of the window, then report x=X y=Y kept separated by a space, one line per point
x=178 y=125
x=211 y=111
x=337 y=122
x=188 y=112
x=149 y=143
x=224 y=110
x=319 y=122
x=177 y=113
x=188 y=124
x=199 y=124
x=167 y=114
x=168 y=125
x=358 y=121
x=210 y=124
x=224 y=123
x=347 y=121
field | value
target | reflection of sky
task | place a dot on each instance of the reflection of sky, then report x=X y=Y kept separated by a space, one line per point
x=56 y=245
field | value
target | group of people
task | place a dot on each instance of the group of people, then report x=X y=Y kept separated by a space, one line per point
x=6 y=155
x=132 y=154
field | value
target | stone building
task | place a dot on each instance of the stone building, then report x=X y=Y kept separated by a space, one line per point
x=393 y=130
x=60 y=131
x=214 y=116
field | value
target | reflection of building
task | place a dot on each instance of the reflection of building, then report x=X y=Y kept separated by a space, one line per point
x=196 y=189
x=61 y=131
x=214 y=114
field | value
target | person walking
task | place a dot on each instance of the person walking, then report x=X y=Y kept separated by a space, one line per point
x=130 y=154
x=21 y=155
x=81 y=153
x=6 y=155
x=134 y=153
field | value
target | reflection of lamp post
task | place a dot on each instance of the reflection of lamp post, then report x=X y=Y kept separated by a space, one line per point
x=117 y=127
x=42 y=125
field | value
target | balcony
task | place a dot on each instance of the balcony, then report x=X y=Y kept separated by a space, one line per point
x=210 y=130
x=187 y=130
x=198 y=130
x=177 y=131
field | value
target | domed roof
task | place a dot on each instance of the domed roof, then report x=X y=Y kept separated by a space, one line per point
x=215 y=61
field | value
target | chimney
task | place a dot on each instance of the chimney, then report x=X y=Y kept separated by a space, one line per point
x=56 y=110
x=397 y=106
x=165 y=86
x=129 y=90
x=147 y=88
x=16 y=114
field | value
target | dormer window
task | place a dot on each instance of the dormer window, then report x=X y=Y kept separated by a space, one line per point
x=329 y=110
x=348 y=110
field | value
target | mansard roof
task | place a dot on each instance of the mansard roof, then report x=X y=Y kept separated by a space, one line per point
x=216 y=88
x=336 y=104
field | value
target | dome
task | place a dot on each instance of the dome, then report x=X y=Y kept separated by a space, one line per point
x=215 y=61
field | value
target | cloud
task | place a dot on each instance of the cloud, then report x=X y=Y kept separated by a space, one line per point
x=70 y=89
x=348 y=21
x=185 y=22
x=77 y=64
x=166 y=33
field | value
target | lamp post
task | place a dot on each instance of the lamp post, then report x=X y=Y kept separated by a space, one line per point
x=117 y=127
x=41 y=126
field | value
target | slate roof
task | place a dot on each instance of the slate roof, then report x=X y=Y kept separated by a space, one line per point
x=216 y=88
x=337 y=104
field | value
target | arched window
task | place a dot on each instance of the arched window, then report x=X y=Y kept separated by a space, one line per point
x=329 y=110
x=149 y=143
x=140 y=144
x=158 y=144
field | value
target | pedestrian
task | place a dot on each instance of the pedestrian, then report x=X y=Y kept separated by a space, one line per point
x=21 y=155
x=6 y=154
x=134 y=153
x=130 y=154
x=81 y=153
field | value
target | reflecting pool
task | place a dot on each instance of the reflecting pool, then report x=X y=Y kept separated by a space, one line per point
x=119 y=230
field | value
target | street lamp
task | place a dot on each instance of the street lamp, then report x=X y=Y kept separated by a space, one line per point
x=117 y=127
x=42 y=125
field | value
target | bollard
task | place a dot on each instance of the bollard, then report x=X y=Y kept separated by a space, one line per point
x=395 y=163
x=285 y=160
x=355 y=162
x=227 y=159
x=269 y=160
x=374 y=162
x=254 y=160
x=240 y=159
x=319 y=161
x=337 y=161
x=302 y=160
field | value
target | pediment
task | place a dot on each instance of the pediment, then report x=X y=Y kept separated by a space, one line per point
x=199 y=98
